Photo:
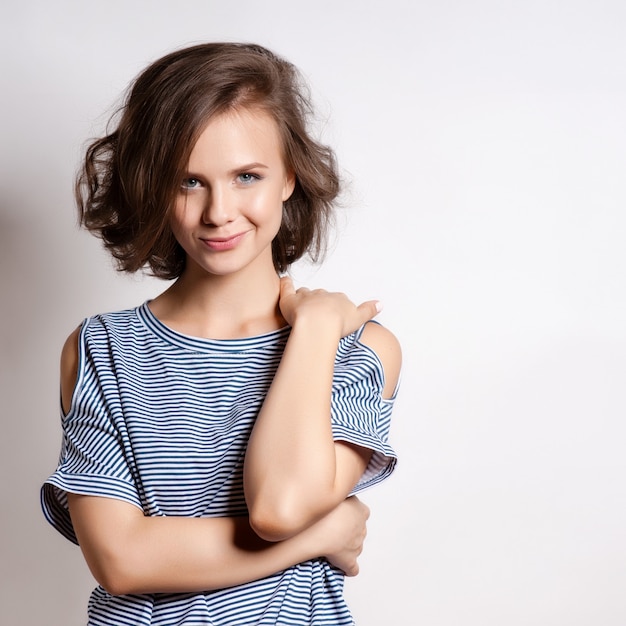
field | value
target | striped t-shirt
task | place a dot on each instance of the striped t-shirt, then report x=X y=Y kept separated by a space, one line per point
x=161 y=420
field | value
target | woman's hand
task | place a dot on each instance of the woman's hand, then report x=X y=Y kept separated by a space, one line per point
x=330 y=308
x=342 y=533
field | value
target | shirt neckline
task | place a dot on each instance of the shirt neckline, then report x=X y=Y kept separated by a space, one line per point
x=202 y=344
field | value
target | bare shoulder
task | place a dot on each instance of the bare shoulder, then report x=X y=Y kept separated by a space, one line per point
x=69 y=368
x=387 y=347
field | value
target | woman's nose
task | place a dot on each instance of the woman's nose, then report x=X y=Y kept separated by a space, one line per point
x=218 y=208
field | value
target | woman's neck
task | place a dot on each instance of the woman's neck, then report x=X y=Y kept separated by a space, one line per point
x=221 y=307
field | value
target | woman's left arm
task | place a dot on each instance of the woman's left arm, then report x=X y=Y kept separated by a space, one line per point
x=294 y=472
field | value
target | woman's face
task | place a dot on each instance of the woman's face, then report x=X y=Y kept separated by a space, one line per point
x=229 y=207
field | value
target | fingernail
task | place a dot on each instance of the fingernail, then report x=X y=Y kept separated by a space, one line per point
x=379 y=306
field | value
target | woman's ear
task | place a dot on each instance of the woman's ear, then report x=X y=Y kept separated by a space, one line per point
x=290 y=185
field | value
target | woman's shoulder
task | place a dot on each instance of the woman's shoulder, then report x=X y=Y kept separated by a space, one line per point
x=69 y=367
x=374 y=351
x=387 y=347
x=70 y=352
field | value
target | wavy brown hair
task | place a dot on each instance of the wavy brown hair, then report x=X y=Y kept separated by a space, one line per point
x=130 y=178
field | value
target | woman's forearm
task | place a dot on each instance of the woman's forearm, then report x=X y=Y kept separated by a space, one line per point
x=130 y=553
x=294 y=471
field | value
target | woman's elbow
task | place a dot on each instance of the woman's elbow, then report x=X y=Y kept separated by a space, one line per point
x=272 y=525
x=116 y=578
x=280 y=520
x=115 y=569
x=115 y=585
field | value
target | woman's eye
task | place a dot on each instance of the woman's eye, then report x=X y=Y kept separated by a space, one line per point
x=247 y=178
x=190 y=183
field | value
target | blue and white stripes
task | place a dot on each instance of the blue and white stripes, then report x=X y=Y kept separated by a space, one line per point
x=161 y=420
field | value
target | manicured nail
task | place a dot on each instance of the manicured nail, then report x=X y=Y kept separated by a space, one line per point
x=379 y=306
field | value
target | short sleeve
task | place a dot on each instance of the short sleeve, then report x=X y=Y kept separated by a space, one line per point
x=360 y=414
x=95 y=454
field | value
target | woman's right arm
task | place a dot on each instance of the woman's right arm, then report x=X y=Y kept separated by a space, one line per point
x=128 y=552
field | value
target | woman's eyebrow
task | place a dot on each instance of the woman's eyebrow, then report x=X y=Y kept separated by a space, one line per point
x=195 y=173
x=249 y=166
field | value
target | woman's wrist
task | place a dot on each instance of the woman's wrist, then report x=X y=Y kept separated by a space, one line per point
x=321 y=328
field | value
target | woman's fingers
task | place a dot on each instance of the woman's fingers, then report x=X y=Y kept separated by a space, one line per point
x=286 y=286
x=370 y=309
x=343 y=531
x=324 y=303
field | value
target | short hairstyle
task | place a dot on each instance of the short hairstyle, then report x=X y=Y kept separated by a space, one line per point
x=130 y=178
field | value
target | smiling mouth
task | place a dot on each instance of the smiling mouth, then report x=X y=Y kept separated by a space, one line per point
x=223 y=243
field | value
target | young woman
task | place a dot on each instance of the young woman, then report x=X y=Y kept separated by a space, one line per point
x=215 y=435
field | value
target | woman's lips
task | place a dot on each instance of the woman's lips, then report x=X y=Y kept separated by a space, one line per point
x=224 y=243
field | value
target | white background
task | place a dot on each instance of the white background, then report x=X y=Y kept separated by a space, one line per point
x=485 y=145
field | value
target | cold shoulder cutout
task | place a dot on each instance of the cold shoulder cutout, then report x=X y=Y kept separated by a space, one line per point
x=387 y=347
x=69 y=369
